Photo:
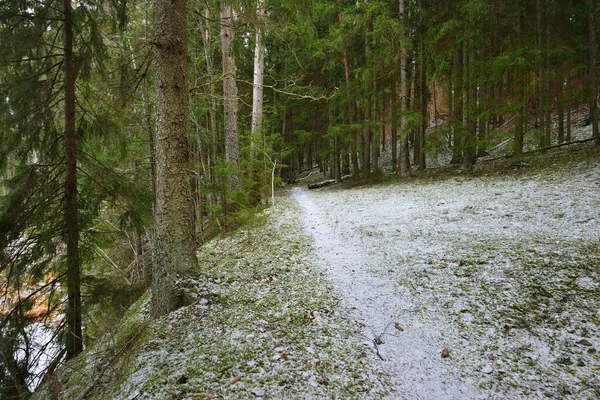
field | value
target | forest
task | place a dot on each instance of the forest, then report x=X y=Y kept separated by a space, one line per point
x=136 y=134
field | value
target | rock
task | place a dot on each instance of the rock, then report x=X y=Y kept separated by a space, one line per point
x=580 y=363
x=258 y=392
x=584 y=342
x=488 y=369
x=445 y=353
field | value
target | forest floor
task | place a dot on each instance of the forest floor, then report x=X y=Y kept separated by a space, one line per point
x=355 y=292
x=500 y=269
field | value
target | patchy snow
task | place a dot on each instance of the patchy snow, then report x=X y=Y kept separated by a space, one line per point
x=262 y=323
x=502 y=271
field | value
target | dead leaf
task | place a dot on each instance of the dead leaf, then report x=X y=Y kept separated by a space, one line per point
x=491 y=356
x=233 y=381
x=399 y=327
x=284 y=356
x=592 y=351
x=584 y=342
x=445 y=353
x=391 y=270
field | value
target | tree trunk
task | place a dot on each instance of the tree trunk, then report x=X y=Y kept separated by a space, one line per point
x=560 y=109
x=367 y=132
x=394 y=123
x=569 y=109
x=404 y=166
x=592 y=55
x=174 y=243
x=457 y=128
x=424 y=118
x=469 y=94
x=74 y=340
x=259 y=67
x=520 y=94
x=212 y=110
x=230 y=98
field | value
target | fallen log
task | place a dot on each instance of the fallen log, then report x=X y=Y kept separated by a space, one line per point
x=317 y=185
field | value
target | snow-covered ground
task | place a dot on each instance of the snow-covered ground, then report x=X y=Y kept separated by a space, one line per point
x=503 y=272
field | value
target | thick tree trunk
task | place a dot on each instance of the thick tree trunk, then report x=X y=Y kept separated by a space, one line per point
x=230 y=97
x=74 y=340
x=174 y=241
x=257 y=94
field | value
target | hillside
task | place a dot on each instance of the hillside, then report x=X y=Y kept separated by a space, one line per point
x=357 y=293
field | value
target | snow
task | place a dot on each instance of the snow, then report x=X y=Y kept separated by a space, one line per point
x=489 y=267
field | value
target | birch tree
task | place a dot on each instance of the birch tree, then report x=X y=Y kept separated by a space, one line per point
x=259 y=67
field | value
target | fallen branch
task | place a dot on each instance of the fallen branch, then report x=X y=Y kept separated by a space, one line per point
x=556 y=146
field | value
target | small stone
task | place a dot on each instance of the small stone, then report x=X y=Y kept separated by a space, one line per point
x=399 y=327
x=249 y=337
x=258 y=392
x=488 y=369
x=445 y=353
x=580 y=363
x=584 y=342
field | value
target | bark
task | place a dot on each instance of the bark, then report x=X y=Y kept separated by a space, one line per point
x=394 y=123
x=230 y=97
x=74 y=340
x=560 y=110
x=569 y=108
x=592 y=56
x=174 y=244
x=259 y=67
x=469 y=94
x=404 y=166
x=457 y=131
x=212 y=111
x=423 y=97
x=520 y=93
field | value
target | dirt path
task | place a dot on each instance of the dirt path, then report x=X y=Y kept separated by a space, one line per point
x=477 y=266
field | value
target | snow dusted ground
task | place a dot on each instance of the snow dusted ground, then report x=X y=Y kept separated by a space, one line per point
x=502 y=271
x=262 y=323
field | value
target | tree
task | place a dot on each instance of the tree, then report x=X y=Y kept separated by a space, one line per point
x=230 y=97
x=259 y=67
x=74 y=334
x=174 y=242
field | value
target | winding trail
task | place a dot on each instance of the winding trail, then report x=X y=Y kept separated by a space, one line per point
x=412 y=356
x=456 y=264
